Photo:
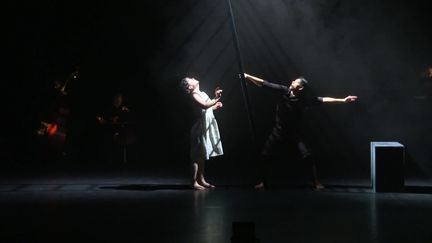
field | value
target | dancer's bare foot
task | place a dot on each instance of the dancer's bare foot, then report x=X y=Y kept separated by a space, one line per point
x=197 y=186
x=260 y=186
x=206 y=184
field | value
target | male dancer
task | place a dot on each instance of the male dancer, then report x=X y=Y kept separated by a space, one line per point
x=289 y=127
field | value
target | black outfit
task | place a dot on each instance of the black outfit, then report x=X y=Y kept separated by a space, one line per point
x=117 y=132
x=289 y=128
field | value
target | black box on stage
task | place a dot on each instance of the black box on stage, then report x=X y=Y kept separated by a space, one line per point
x=387 y=166
x=243 y=232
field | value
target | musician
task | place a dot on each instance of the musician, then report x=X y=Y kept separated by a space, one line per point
x=117 y=113
x=117 y=126
x=54 y=119
x=58 y=103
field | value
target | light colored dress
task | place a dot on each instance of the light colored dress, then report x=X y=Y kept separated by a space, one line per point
x=205 y=137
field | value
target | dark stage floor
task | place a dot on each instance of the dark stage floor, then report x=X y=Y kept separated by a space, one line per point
x=85 y=209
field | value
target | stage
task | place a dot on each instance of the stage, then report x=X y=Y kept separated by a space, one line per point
x=100 y=100
x=133 y=208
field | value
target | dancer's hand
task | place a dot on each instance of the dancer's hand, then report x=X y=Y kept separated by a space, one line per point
x=350 y=98
x=217 y=105
x=218 y=92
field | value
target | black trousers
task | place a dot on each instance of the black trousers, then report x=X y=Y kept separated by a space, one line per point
x=289 y=145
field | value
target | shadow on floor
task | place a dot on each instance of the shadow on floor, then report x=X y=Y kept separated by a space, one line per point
x=148 y=187
x=418 y=189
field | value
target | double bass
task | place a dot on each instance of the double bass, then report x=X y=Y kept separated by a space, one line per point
x=54 y=128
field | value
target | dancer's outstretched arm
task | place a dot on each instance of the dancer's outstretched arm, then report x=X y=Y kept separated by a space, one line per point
x=264 y=83
x=257 y=81
x=348 y=99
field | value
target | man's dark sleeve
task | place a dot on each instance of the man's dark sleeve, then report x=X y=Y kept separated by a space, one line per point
x=279 y=87
x=314 y=101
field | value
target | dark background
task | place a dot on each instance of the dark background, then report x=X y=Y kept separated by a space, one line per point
x=377 y=50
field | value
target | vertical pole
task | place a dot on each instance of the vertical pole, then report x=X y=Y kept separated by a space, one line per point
x=241 y=71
